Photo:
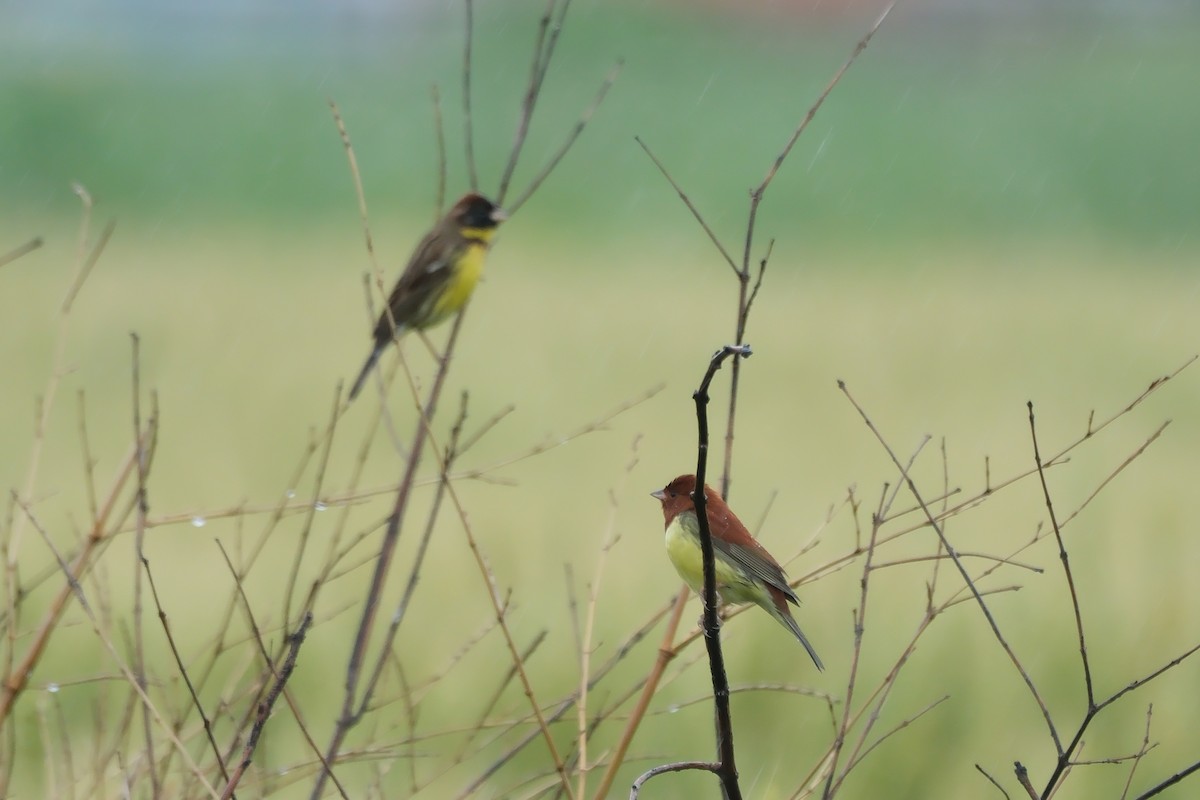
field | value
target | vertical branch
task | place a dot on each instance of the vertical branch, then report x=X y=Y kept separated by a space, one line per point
x=139 y=652
x=746 y=297
x=439 y=131
x=311 y=510
x=1066 y=562
x=187 y=679
x=349 y=715
x=358 y=188
x=472 y=172
x=742 y=272
x=860 y=618
x=264 y=708
x=712 y=632
x=586 y=646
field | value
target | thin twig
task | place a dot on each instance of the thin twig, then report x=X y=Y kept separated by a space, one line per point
x=860 y=616
x=585 y=646
x=498 y=609
x=349 y=718
x=439 y=132
x=468 y=133
x=666 y=653
x=76 y=589
x=16 y=680
x=358 y=187
x=687 y=201
x=187 y=679
x=264 y=708
x=85 y=268
x=543 y=51
x=1066 y=563
x=418 y=561
x=1145 y=748
x=314 y=505
x=678 y=766
x=812 y=112
x=143 y=467
x=569 y=140
x=965 y=574
x=994 y=782
x=1169 y=782
x=85 y=260
x=20 y=250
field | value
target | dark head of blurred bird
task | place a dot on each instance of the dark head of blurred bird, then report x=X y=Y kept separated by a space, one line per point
x=440 y=276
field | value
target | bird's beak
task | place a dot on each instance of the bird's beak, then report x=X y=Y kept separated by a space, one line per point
x=499 y=215
x=659 y=495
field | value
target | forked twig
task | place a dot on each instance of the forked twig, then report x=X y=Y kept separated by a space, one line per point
x=568 y=141
x=543 y=51
x=962 y=570
x=126 y=671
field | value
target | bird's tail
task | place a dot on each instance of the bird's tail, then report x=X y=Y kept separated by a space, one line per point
x=366 y=370
x=780 y=611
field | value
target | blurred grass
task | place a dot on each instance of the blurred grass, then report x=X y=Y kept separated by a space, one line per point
x=988 y=211
x=951 y=348
x=964 y=125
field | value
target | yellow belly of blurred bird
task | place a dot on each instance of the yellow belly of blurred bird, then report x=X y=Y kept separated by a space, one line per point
x=683 y=548
x=462 y=283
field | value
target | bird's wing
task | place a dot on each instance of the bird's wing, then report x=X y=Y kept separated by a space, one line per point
x=756 y=562
x=753 y=560
x=430 y=267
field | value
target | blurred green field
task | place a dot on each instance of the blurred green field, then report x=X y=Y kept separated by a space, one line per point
x=961 y=124
x=989 y=211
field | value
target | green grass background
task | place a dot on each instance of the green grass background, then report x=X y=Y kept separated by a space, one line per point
x=990 y=209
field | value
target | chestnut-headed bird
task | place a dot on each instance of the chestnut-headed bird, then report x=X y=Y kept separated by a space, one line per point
x=745 y=571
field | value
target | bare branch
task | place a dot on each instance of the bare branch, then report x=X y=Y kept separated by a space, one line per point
x=439 y=132
x=264 y=708
x=963 y=572
x=358 y=188
x=571 y=137
x=1066 y=564
x=468 y=125
x=20 y=250
x=678 y=766
x=687 y=201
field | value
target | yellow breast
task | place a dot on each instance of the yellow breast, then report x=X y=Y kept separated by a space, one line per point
x=683 y=548
x=462 y=282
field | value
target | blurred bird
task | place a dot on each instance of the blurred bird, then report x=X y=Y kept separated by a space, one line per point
x=745 y=571
x=440 y=276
